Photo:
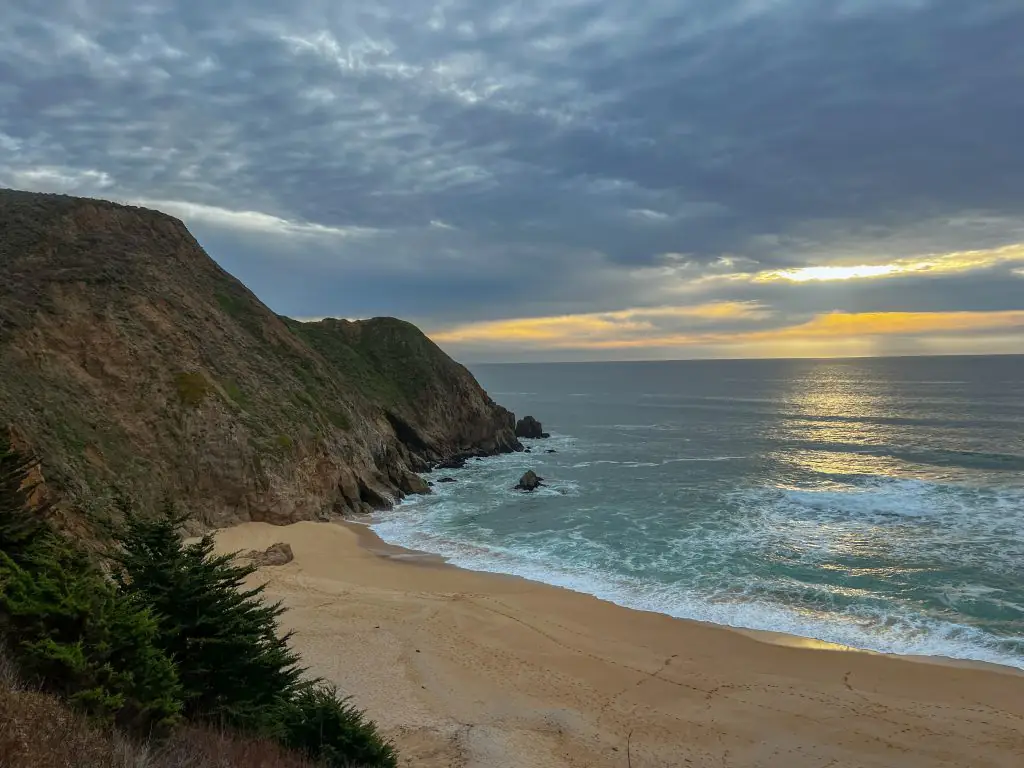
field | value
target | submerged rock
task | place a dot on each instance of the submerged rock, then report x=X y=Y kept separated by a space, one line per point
x=550 y=450
x=275 y=554
x=453 y=462
x=446 y=480
x=529 y=427
x=529 y=481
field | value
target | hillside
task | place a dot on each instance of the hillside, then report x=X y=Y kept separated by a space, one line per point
x=129 y=358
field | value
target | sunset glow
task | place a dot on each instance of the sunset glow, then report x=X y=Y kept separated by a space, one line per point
x=680 y=328
x=538 y=182
x=806 y=274
x=932 y=264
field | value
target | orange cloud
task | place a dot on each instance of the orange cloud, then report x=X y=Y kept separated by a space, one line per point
x=593 y=329
x=900 y=323
x=639 y=328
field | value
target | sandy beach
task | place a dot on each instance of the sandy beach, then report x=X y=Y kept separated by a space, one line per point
x=475 y=670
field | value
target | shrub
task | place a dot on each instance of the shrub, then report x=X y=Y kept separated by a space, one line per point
x=340 y=419
x=106 y=647
x=37 y=730
x=67 y=627
x=319 y=724
x=234 y=667
x=235 y=393
x=192 y=388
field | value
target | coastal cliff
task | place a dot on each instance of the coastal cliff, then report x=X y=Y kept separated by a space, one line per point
x=129 y=359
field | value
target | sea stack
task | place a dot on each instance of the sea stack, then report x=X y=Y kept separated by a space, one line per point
x=529 y=427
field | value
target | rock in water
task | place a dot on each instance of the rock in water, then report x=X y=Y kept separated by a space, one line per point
x=446 y=480
x=529 y=427
x=529 y=481
x=453 y=462
x=275 y=554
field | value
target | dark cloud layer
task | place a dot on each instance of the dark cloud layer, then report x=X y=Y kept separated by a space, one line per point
x=457 y=161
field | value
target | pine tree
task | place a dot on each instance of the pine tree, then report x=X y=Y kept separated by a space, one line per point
x=66 y=625
x=234 y=666
x=326 y=728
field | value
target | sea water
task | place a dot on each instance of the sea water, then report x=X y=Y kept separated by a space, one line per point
x=875 y=503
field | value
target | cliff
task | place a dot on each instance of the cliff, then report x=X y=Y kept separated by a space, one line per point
x=129 y=359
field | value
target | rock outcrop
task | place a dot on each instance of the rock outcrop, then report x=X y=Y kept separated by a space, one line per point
x=529 y=482
x=129 y=358
x=275 y=554
x=453 y=462
x=530 y=428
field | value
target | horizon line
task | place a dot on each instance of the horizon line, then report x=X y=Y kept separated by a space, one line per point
x=747 y=359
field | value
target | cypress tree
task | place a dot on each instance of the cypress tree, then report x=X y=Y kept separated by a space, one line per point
x=65 y=624
x=234 y=666
x=326 y=728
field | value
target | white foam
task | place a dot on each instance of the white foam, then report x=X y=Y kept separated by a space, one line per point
x=641 y=427
x=867 y=629
x=701 y=458
x=912 y=520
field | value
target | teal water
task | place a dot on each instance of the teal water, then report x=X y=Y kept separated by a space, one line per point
x=877 y=503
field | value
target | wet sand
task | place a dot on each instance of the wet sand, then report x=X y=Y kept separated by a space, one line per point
x=476 y=670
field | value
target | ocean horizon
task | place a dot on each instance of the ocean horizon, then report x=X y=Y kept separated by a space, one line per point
x=876 y=503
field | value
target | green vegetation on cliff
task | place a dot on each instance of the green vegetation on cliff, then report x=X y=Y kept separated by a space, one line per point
x=174 y=637
x=68 y=626
x=387 y=359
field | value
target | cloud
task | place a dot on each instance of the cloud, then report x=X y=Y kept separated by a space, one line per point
x=70 y=180
x=598 y=329
x=901 y=323
x=934 y=264
x=459 y=162
x=251 y=221
x=632 y=330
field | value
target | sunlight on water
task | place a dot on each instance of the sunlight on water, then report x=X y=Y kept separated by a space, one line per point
x=877 y=504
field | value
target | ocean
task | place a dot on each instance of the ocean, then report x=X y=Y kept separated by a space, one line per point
x=874 y=503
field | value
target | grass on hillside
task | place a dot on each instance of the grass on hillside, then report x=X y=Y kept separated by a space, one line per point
x=390 y=361
x=37 y=730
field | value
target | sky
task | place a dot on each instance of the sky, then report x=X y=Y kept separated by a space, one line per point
x=560 y=179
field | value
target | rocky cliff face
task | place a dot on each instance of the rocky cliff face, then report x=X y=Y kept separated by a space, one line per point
x=129 y=359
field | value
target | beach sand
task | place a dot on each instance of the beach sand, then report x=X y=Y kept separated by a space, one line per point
x=482 y=671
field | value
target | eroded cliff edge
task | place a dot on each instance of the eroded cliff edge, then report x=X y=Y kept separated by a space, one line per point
x=130 y=359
